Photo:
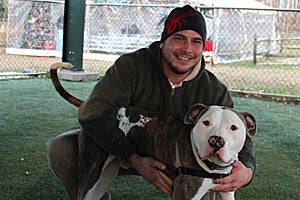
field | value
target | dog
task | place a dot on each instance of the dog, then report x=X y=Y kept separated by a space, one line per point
x=196 y=152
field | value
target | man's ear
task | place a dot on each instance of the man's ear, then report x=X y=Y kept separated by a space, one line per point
x=193 y=113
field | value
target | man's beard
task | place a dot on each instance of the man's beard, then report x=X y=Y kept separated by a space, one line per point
x=176 y=71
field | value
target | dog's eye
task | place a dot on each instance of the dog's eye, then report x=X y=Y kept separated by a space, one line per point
x=233 y=127
x=205 y=122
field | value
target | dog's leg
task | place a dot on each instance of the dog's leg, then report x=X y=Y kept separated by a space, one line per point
x=109 y=172
x=227 y=195
x=206 y=185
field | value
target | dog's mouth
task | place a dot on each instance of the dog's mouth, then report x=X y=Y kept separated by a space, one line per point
x=214 y=161
x=216 y=158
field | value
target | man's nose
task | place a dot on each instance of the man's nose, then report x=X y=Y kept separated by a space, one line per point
x=187 y=46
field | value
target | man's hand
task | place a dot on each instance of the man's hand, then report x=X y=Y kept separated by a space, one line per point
x=240 y=176
x=151 y=170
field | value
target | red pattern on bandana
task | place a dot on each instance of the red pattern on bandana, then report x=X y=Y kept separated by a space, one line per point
x=175 y=23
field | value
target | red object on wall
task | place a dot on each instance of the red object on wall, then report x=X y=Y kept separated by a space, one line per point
x=208 y=45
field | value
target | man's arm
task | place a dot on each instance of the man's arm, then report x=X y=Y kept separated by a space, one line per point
x=98 y=114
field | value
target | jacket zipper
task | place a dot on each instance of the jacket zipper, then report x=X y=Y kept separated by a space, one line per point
x=172 y=89
x=172 y=92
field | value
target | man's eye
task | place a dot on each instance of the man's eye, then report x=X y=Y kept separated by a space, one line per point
x=206 y=122
x=198 y=41
x=178 y=38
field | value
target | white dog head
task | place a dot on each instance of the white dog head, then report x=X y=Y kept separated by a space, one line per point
x=219 y=133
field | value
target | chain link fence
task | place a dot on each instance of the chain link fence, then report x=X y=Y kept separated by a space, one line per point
x=255 y=50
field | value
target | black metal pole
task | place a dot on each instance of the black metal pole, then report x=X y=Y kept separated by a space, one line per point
x=255 y=50
x=74 y=15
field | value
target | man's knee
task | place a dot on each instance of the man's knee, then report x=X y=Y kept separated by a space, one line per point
x=62 y=153
x=63 y=149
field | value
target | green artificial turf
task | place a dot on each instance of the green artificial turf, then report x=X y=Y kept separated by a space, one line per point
x=32 y=113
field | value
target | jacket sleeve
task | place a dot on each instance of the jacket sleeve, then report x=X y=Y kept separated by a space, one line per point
x=97 y=115
x=247 y=155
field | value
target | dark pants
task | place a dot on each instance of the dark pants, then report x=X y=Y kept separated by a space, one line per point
x=62 y=153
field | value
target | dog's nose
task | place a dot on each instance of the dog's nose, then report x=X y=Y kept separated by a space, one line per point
x=216 y=142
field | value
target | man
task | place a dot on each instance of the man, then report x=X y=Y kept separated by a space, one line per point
x=168 y=77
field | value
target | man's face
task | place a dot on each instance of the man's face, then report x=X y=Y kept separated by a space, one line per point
x=182 y=51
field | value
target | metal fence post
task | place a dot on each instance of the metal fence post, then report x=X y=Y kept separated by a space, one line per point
x=73 y=33
x=255 y=49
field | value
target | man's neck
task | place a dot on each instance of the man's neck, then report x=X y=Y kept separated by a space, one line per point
x=179 y=78
x=176 y=78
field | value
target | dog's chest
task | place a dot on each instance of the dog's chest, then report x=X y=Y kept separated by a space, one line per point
x=185 y=186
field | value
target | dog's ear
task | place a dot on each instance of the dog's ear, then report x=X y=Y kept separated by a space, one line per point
x=193 y=113
x=251 y=123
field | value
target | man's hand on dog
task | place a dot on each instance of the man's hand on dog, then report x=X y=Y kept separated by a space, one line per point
x=151 y=170
x=240 y=176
